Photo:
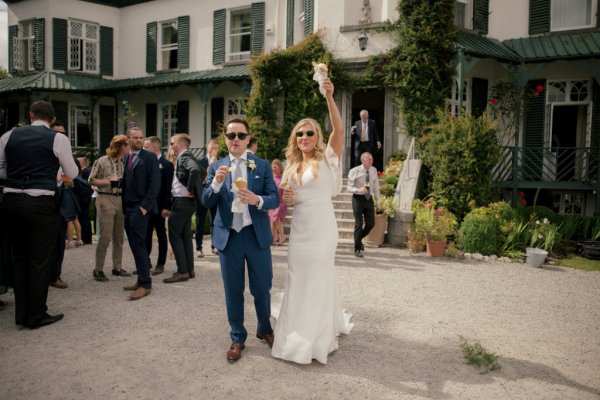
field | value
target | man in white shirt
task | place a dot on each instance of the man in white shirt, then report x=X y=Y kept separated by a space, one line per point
x=363 y=183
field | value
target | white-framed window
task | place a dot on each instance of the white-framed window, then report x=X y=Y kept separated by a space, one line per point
x=574 y=91
x=463 y=14
x=239 y=33
x=170 y=119
x=169 y=45
x=572 y=14
x=84 y=46
x=23 y=47
x=569 y=203
x=80 y=127
x=235 y=108
x=452 y=101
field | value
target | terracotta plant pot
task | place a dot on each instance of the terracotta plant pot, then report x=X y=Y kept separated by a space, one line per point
x=436 y=248
x=377 y=235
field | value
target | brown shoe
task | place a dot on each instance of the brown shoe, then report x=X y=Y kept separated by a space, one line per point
x=139 y=293
x=267 y=337
x=59 y=283
x=131 y=287
x=177 y=277
x=235 y=352
x=192 y=274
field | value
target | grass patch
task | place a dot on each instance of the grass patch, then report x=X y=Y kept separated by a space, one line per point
x=576 y=262
x=477 y=356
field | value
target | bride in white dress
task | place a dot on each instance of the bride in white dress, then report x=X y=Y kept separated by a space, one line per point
x=311 y=318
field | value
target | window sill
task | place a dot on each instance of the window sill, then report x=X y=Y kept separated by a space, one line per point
x=167 y=71
x=231 y=63
x=574 y=30
x=360 y=27
x=88 y=74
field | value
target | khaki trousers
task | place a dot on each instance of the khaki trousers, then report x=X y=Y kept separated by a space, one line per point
x=111 y=227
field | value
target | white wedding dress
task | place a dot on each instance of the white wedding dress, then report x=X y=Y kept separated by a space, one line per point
x=310 y=318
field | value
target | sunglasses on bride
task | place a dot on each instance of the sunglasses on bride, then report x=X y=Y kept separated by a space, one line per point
x=308 y=133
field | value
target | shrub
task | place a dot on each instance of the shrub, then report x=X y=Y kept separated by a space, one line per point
x=539 y=212
x=387 y=189
x=478 y=233
x=390 y=179
x=397 y=155
x=432 y=221
x=460 y=153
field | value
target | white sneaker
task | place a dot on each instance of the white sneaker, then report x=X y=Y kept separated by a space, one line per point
x=199 y=254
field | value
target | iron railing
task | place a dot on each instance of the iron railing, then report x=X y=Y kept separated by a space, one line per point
x=556 y=165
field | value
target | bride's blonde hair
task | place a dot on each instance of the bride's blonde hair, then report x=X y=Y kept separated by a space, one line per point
x=293 y=154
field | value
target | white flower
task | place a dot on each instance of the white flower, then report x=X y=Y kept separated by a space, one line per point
x=251 y=165
x=546 y=222
x=537 y=222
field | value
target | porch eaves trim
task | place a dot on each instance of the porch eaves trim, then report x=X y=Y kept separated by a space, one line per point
x=484 y=47
x=78 y=83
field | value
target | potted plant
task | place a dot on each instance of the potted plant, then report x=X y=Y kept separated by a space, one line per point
x=377 y=235
x=433 y=223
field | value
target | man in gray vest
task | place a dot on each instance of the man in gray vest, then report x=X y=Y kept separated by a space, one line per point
x=29 y=160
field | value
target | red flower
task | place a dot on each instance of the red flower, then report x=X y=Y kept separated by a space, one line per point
x=380 y=174
x=438 y=211
x=524 y=202
x=539 y=88
x=536 y=93
x=521 y=194
x=494 y=101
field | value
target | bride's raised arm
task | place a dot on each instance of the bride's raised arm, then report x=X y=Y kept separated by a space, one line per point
x=336 y=139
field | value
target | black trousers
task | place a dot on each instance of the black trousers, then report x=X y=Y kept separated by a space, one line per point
x=33 y=227
x=364 y=218
x=86 y=224
x=180 y=233
x=60 y=250
x=136 y=226
x=157 y=223
x=200 y=217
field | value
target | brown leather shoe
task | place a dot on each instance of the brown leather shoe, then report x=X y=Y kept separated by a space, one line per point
x=177 y=277
x=235 y=352
x=192 y=274
x=269 y=338
x=131 y=287
x=139 y=293
x=59 y=283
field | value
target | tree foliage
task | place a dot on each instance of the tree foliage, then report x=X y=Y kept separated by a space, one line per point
x=283 y=79
x=426 y=60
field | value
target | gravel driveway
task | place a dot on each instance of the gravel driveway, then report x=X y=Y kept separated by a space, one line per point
x=409 y=311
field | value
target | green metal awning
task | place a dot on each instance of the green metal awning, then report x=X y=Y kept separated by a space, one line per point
x=481 y=46
x=53 y=81
x=556 y=47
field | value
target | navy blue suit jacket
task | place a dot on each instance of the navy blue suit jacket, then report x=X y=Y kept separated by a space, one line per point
x=261 y=183
x=141 y=184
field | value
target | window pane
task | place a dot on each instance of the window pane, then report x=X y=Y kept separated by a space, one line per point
x=241 y=22
x=571 y=13
x=169 y=33
x=557 y=92
x=460 y=10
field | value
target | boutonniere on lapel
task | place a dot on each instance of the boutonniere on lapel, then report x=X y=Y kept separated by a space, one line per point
x=160 y=166
x=251 y=165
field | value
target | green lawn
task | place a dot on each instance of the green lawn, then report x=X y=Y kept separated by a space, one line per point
x=577 y=262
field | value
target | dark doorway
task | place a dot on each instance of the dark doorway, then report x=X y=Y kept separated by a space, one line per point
x=372 y=100
x=564 y=140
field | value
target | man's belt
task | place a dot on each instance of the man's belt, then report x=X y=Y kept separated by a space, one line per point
x=110 y=194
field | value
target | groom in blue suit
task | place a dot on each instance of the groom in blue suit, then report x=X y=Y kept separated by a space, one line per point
x=243 y=236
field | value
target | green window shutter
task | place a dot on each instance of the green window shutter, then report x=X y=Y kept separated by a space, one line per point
x=61 y=112
x=533 y=133
x=183 y=116
x=257 y=36
x=539 y=16
x=183 y=36
x=481 y=10
x=39 y=44
x=309 y=6
x=219 y=36
x=217 y=110
x=596 y=115
x=12 y=34
x=151 y=124
x=106 y=50
x=479 y=96
x=289 y=22
x=106 y=119
x=151 y=47
x=59 y=42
